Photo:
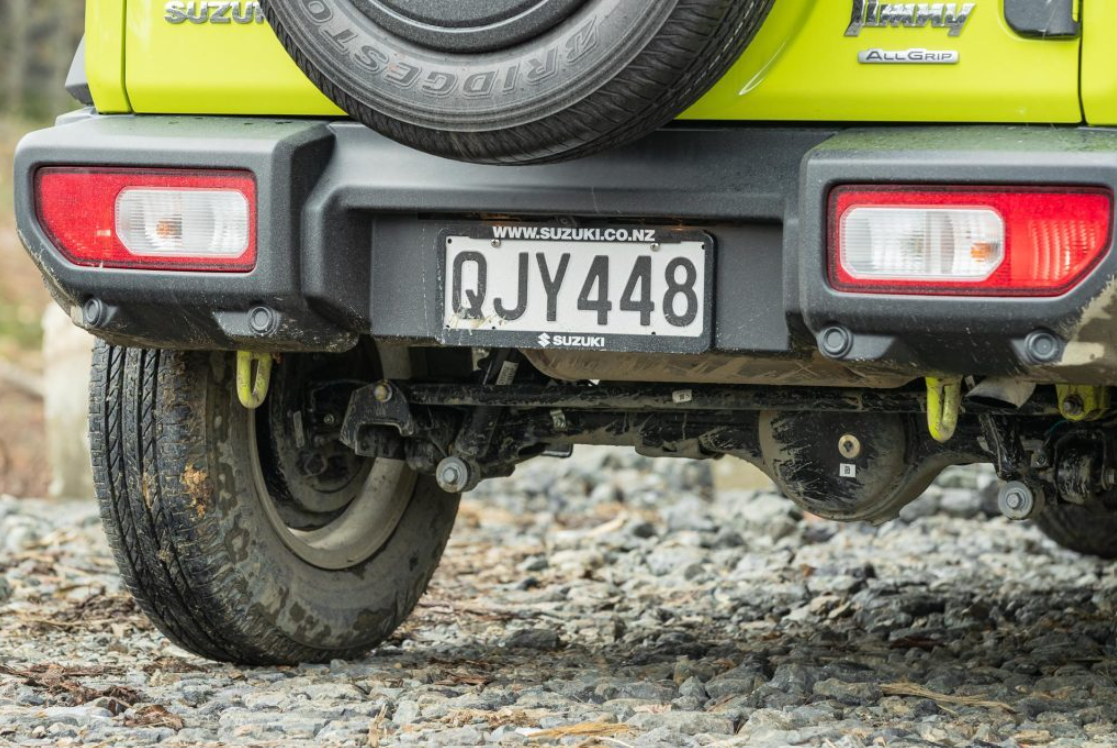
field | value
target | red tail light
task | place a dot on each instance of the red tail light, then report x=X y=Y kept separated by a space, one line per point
x=974 y=241
x=150 y=218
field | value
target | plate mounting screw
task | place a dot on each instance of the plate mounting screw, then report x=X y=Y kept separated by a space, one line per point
x=849 y=446
x=495 y=242
x=382 y=392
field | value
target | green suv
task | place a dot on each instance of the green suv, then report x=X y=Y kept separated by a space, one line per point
x=348 y=258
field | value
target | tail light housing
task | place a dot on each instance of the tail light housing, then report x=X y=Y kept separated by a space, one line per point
x=157 y=219
x=979 y=241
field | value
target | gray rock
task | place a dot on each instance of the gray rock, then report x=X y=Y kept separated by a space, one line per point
x=406 y=712
x=544 y=640
x=236 y=724
x=333 y=691
x=686 y=723
x=647 y=691
x=80 y=716
x=457 y=736
x=851 y=694
x=690 y=513
x=766 y=722
x=674 y=560
x=739 y=681
x=533 y=563
x=794 y=678
x=692 y=688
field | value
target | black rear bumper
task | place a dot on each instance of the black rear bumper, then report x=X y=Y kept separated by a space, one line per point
x=349 y=224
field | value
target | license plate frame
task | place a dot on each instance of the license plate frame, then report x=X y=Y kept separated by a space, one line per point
x=552 y=239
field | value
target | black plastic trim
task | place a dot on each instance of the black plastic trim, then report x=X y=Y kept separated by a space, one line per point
x=77 y=82
x=1047 y=19
x=350 y=221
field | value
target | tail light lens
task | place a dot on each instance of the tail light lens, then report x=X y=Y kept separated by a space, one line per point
x=150 y=219
x=974 y=241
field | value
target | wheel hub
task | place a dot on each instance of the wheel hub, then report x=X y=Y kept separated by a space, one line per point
x=330 y=506
x=463 y=26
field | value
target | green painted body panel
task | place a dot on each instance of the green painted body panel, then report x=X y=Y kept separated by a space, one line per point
x=802 y=67
x=104 y=54
x=1099 y=61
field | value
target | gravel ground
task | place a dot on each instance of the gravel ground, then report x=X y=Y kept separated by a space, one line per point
x=609 y=600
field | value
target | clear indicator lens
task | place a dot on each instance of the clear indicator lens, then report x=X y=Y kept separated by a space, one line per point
x=922 y=244
x=185 y=223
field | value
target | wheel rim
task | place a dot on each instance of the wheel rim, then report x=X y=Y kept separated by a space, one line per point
x=468 y=26
x=347 y=536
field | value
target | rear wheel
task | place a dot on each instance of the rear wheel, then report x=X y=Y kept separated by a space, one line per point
x=254 y=536
x=1079 y=529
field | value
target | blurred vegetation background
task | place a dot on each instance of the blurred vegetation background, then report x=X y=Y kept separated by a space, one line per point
x=38 y=39
x=37 y=43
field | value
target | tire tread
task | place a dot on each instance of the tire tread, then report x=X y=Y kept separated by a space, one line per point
x=1080 y=530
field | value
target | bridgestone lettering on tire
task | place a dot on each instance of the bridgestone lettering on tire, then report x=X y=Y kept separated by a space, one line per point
x=530 y=81
x=187 y=522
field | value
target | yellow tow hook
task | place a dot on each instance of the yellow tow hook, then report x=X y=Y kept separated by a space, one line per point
x=252 y=385
x=944 y=401
x=1082 y=402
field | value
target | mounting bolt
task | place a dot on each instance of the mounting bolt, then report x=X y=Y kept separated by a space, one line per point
x=495 y=242
x=313 y=466
x=1072 y=406
x=835 y=341
x=330 y=419
x=453 y=475
x=261 y=320
x=382 y=392
x=849 y=446
x=1041 y=346
x=1017 y=501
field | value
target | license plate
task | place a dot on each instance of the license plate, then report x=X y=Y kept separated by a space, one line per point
x=554 y=287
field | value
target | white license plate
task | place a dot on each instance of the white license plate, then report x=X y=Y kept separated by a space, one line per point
x=613 y=289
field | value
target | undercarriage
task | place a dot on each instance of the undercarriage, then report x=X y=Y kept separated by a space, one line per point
x=839 y=453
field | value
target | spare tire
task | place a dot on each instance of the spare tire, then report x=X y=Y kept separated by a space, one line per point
x=515 y=81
